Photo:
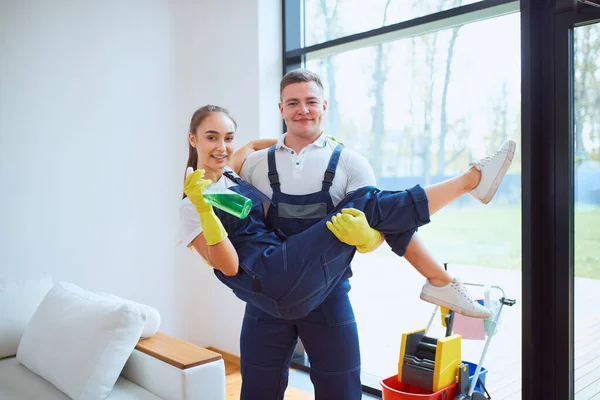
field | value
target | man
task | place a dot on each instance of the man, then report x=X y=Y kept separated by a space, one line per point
x=299 y=186
x=306 y=174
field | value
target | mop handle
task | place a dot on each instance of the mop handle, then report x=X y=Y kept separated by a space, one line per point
x=431 y=318
x=485 y=349
x=503 y=301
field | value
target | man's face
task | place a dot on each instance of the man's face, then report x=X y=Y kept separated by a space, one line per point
x=302 y=108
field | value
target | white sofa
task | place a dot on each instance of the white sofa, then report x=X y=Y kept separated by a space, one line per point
x=158 y=367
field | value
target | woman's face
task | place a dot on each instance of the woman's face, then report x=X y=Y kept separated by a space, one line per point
x=214 y=142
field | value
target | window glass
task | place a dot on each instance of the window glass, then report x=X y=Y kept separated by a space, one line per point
x=331 y=19
x=420 y=109
x=587 y=210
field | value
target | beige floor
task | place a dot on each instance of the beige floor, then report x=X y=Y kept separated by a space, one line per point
x=385 y=297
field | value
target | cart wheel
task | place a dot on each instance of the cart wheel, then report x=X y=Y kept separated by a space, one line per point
x=474 y=396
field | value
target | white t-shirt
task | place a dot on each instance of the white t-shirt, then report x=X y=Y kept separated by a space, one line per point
x=190 y=220
x=302 y=173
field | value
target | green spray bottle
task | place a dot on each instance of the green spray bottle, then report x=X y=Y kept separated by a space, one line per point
x=226 y=200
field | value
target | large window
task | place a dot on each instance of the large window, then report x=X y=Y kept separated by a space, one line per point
x=587 y=209
x=420 y=109
x=420 y=102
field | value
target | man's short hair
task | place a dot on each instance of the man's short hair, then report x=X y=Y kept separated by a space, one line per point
x=297 y=76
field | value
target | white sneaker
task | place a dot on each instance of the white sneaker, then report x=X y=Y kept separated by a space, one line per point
x=493 y=170
x=455 y=297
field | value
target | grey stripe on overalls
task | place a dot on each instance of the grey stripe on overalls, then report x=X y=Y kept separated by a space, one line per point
x=308 y=211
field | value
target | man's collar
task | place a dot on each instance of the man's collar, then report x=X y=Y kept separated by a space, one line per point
x=321 y=141
x=280 y=142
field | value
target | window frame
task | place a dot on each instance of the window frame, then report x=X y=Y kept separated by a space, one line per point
x=547 y=165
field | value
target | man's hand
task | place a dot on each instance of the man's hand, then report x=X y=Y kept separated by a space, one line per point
x=351 y=227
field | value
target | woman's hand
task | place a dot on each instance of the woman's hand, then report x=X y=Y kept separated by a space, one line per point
x=237 y=159
x=194 y=188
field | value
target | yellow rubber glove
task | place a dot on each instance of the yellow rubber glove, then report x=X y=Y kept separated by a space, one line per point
x=351 y=227
x=212 y=228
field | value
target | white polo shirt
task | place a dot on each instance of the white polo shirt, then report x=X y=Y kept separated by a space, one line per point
x=303 y=173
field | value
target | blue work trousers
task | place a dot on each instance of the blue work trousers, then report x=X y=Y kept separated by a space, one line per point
x=330 y=337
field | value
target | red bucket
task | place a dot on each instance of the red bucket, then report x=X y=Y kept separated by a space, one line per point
x=394 y=390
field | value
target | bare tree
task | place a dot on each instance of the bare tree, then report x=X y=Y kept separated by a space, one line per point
x=430 y=42
x=441 y=156
x=413 y=119
x=587 y=98
x=379 y=77
x=582 y=67
x=330 y=14
x=500 y=119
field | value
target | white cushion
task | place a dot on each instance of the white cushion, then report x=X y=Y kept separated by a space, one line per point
x=19 y=383
x=152 y=316
x=127 y=390
x=18 y=301
x=79 y=341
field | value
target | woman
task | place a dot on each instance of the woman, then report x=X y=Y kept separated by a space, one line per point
x=256 y=262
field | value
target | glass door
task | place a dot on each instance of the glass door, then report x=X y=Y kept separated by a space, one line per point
x=586 y=158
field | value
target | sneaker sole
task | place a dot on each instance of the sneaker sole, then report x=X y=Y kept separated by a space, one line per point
x=438 y=302
x=512 y=146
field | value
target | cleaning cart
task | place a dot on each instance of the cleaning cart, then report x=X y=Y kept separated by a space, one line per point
x=467 y=385
x=432 y=369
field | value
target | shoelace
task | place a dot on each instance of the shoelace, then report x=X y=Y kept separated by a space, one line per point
x=463 y=292
x=481 y=163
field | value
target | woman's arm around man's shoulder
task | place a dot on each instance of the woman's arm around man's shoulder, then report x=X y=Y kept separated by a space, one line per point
x=237 y=159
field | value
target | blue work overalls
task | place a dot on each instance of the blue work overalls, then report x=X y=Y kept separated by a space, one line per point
x=291 y=277
x=329 y=333
x=295 y=291
x=280 y=277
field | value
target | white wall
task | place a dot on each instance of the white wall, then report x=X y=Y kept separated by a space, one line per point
x=95 y=99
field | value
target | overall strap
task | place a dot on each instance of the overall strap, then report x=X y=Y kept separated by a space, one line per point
x=331 y=167
x=245 y=184
x=234 y=178
x=273 y=175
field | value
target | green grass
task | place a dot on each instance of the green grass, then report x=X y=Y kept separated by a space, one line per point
x=491 y=236
x=587 y=243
